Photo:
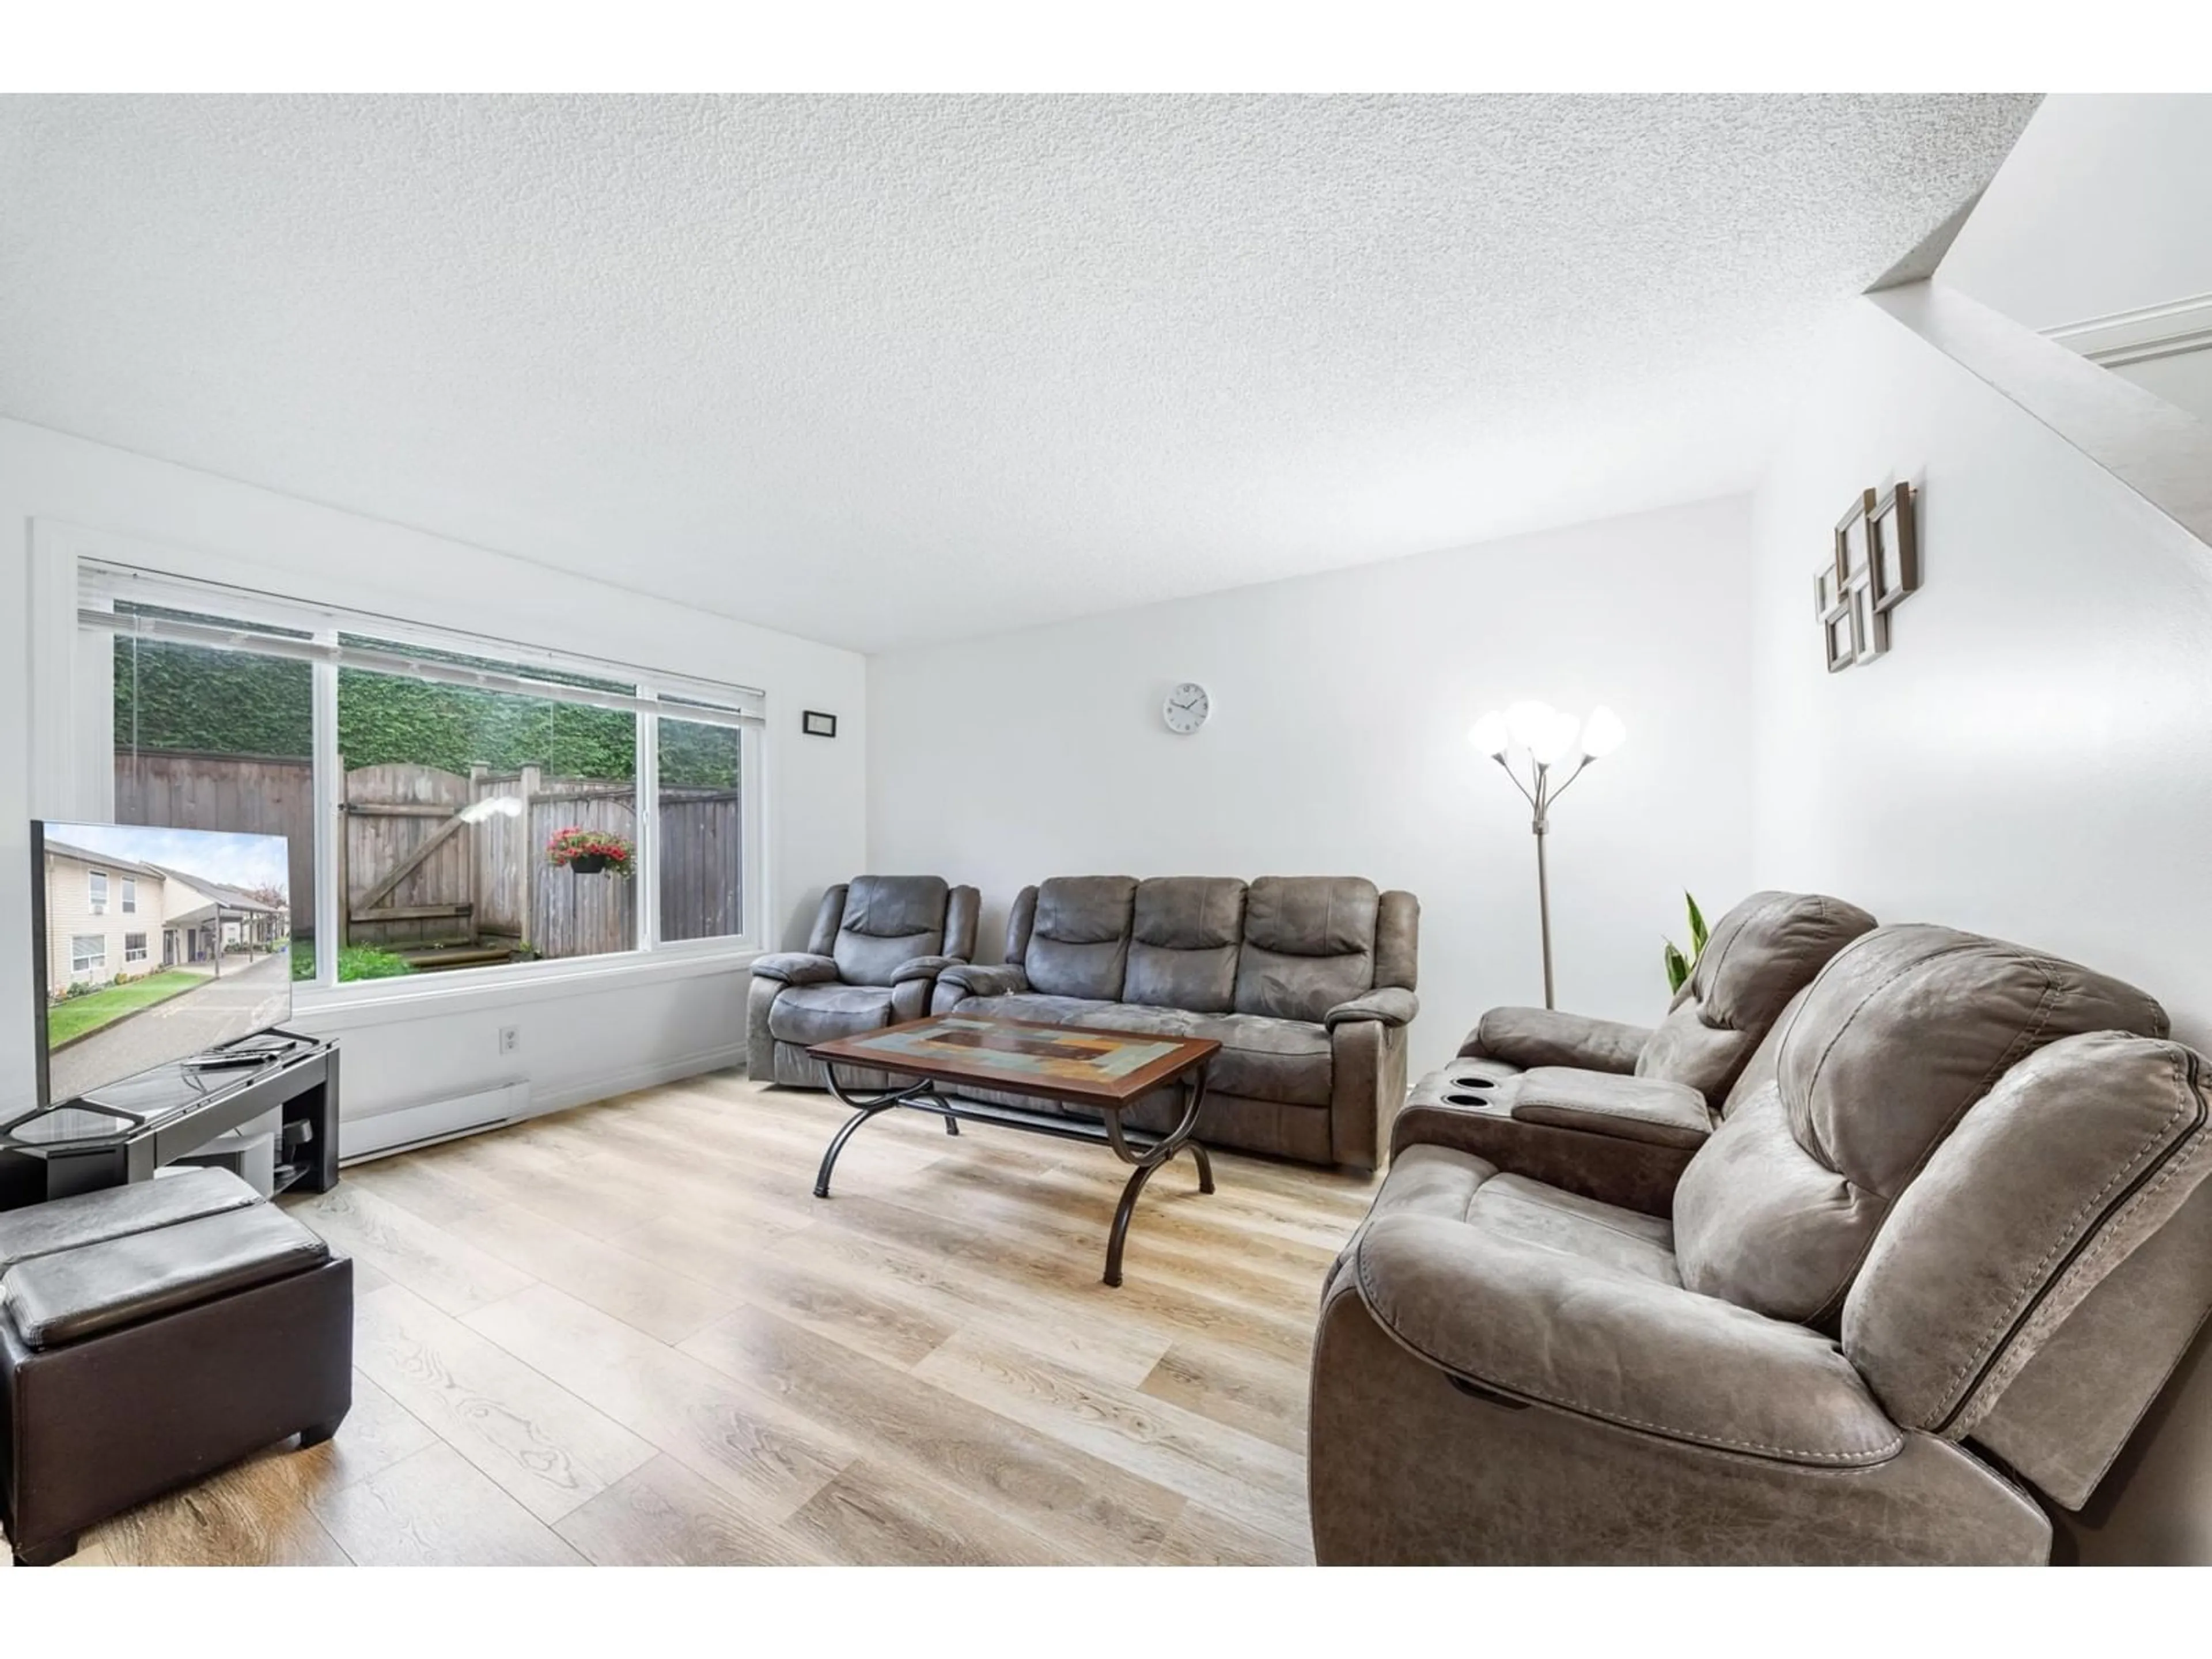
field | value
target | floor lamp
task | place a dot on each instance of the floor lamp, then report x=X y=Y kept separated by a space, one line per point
x=1544 y=742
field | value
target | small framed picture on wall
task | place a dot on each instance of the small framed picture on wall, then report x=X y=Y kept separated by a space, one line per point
x=816 y=724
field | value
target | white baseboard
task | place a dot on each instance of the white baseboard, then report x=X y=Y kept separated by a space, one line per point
x=379 y=1136
x=402 y=1131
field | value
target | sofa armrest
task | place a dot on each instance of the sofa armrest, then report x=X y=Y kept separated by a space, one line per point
x=1386 y=1003
x=1541 y=1037
x=1622 y=1140
x=922 y=968
x=1601 y=1102
x=1533 y=1324
x=795 y=968
x=977 y=980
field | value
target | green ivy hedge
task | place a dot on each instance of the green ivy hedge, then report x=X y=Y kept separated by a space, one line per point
x=186 y=696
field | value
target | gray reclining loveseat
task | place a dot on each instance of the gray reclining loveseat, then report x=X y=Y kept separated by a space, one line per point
x=1946 y=1245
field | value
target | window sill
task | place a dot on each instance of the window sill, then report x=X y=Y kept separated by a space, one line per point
x=385 y=1002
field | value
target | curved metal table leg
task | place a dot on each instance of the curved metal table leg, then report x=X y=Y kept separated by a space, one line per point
x=1120 y=1235
x=865 y=1107
x=1148 y=1160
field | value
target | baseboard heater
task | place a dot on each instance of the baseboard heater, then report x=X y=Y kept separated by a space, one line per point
x=364 y=1138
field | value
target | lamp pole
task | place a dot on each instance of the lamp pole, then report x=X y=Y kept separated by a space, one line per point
x=1541 y=797
x=1547 y=740
x=1538 y=826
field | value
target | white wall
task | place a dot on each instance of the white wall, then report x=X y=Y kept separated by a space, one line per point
x=1337 y=746
x=2033 y=759
x=2184 y=380
x=2105 y=206
x=578 y=1040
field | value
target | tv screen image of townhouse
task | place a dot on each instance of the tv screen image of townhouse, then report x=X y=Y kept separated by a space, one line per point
x=157 y=945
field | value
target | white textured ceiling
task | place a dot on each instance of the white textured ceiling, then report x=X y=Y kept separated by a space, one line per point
x=880 y=370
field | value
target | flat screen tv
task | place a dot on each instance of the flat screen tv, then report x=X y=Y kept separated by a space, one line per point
x=152 y=948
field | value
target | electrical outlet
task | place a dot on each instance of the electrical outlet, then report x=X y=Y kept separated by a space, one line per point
x=510 y=1039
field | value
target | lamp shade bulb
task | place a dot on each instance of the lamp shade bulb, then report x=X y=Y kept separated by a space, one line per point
x=1556 y=741
x=1602 y=732
x=1489 y=734
x=1529 y=722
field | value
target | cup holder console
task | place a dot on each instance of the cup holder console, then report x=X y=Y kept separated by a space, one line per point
x=1472 y=1082
x=1461 y=1099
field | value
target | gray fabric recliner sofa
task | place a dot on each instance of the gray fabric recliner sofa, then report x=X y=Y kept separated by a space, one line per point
x=878 y=944
x=1617 y=1111
x=1306 y=982
x=1944 y=1250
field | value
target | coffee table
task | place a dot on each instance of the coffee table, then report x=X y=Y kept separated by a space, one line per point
x=1104 y=1071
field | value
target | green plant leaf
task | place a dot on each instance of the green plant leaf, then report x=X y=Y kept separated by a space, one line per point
x=1678 y=968
x=1698 y=934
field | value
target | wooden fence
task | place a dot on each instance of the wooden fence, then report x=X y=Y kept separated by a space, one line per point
x=253 y=795
x=452 y=870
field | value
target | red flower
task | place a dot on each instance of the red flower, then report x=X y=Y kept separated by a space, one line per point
x=567 y=845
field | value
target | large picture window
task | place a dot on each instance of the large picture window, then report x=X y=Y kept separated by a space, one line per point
x=476 y=808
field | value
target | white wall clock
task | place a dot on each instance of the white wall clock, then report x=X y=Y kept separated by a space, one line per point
x=1186 y=707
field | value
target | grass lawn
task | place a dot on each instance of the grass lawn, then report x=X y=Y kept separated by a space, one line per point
x=73 y=1018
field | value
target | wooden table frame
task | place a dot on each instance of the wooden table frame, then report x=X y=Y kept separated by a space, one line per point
x=1186 y=1067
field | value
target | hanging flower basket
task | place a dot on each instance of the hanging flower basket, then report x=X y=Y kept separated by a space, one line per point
x=592 y=851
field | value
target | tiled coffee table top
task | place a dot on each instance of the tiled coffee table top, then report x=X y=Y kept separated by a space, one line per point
x=1063 y=1062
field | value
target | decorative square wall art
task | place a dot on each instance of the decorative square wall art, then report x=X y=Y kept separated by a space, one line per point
x=1872 y=567
x=1896 y=551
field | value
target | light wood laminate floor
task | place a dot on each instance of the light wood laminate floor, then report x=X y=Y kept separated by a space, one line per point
x=629 y=1333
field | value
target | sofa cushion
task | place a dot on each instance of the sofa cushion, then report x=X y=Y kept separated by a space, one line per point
x=1184 y=934
x=888 y=921
x=1309 y=945
x=1899 y=1036
x=1078 y=945
x=1761 y=954
x=1544 y=1319
x=1511 y=1206
x=2079 y=1154
x=1280 y=1060
x=1436 y=1180
x=807 y=1014
x=1029 y=1005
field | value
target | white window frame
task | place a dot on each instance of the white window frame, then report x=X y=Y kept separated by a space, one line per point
x=95 y=892
x=81 y=961
x=131 y=954
x=101 y=583
x=130 y=895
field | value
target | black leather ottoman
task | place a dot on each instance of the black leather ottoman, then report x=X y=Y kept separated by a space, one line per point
x=149 y=1336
